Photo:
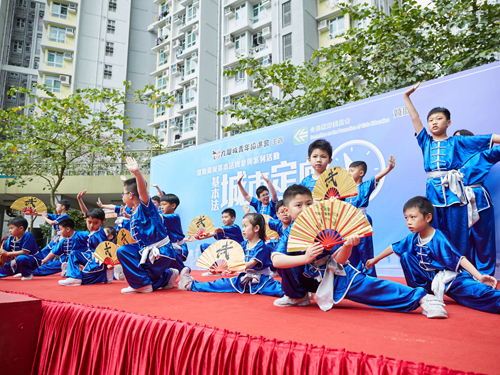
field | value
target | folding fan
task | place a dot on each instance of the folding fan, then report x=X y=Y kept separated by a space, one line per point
x=223 y=255
x=329 y=222
x=106 y=253
x=270 y=234
x=29 y=205
x=200 y=225
x=335 y=182
x=124 y=237
x=4 y=258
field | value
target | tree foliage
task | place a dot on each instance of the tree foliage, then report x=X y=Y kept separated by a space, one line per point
x=412 y=44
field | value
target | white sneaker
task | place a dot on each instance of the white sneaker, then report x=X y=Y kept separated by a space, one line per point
x=286 y=301
x=173 y=278
x=70 y=282
x=30 y=277
x=109 y=276
x=433 y=308
x=18 y=275
x=64 y=268
x=145 y=289
x=185 y=280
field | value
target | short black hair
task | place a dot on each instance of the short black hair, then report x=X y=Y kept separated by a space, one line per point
x=424 y=206
x=96 y=213
x=321 y=144
x=19 y=222
x=131 y=185
x=442 y=110
x=112 y=232
x=230 y=211
x=359 y=164
x=155 y=198
x=257 y=219
x=279 y=204
x=171 y=198
x=65 y=203
x=294 y=190
x=260 y=190
x=464 y=132
x=65 y=223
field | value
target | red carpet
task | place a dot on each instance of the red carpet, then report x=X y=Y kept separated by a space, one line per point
x=467 y=341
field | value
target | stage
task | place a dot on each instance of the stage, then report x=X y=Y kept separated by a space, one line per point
x=96 y=329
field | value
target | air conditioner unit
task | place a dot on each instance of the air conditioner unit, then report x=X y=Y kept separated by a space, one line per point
x=176 y=44
x=72 y=8
x=266 y=60
x=176 y=69
x=228 y=40
x=172 y=93
x=177 y=19
x=165 y=73
x=196 y=28
x=193 y=83
x=194 y=56
x=173 y=123
x=266 y=32
x=227 y=134
x=64 y=80
x=227 y=101
x=229 y=12
x=266 y=3
x=68 y=56
x=70 y=32
x=323 y=26
x=192 y=113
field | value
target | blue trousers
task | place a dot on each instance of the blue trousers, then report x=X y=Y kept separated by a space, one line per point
x=454 y=223
x=156 y=274
x=52 y=267
x=25 y=264
x=92 y=273
x=362 y=252
x=464 y=289
x=267 y=286
x=483 y=242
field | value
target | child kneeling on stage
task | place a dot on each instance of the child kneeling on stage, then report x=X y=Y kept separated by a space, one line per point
x=332 y=278
x=430 y=261
x=255 y=279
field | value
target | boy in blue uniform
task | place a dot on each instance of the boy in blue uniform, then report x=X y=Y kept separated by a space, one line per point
x=21 y=247
x=265 y=203
x=319 y=156
x=283 y=220
x=443 y=157
x=431 y=262
x=146 y=263
x=172 y=223
x=123 y=219
x=364 y=251
x=332 y=278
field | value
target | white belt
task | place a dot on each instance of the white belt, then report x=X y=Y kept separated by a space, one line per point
x=442 y=278
x=472 y=212
x=451 y=179
x=177 y=245
x=325 y=291
x=153 y=251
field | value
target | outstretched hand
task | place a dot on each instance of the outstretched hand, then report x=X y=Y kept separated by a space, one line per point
x=132 y=164
x=352 y=240
x=265 y=177
x=370 y=263
x=412 y=90
x=241 y=178
x=489 y=280
x=99 y=203
x=246 y=210
x=392 y=162
x=81 y=194
x=313 y=251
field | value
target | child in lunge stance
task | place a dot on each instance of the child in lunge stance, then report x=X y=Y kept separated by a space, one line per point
x=319 y=156
x=255 y=279
x=172 y=223
x=431 y=262
x=332 y=278
x=266 y=198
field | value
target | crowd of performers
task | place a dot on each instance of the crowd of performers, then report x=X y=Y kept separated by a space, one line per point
x=450 y=250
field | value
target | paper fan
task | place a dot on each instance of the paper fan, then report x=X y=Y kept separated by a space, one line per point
x=105 y=253
x=29 y=205
x=329 y=222
x=223 y=255
x=200 y=225
x=4 y=258
x=335 y=182
x=124 y=237
x=270 y=234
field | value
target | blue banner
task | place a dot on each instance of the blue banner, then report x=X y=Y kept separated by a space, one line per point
x=205 y=177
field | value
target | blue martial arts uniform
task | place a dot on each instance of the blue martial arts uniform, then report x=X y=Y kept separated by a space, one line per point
x=270 y=209
x=423 y=261
x=121 y=222
x=309 y=182
x=57 y=218
x=276 y=225
x=146 y=227
x=254 y=281
x=231 y=232
x=364 y=251
x=482 y=232
x=24 y=264
x=173 y=226
x=442 y=160
x=353 y=285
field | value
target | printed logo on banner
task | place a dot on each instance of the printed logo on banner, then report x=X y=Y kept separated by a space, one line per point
x=300 y=136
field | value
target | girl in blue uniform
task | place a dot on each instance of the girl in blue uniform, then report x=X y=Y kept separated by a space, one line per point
x=255 y=279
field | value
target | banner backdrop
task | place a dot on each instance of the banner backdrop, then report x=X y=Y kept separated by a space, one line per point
x=205 y=177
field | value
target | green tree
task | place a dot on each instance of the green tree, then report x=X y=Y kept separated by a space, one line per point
x=412 y=44
x=62 y=135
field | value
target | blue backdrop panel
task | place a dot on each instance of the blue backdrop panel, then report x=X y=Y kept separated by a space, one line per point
x=205 y=177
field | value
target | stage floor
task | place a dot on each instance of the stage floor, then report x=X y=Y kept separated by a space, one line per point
x=467 y=341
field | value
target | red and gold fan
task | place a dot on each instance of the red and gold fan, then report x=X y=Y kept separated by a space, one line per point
x=124 y=237
x=329 y=222
x=200 y=225
x=222 y=256
x=29 y=205
x=336 y=183
x=105 y=253
x=270 y=234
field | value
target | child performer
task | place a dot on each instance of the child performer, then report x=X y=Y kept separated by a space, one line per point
x=431 y=262
x=255 y=279
x=145 y=263
x=156 y=202
x=364 y=251
x=443 y=157
x=319 y=156
x=263 y=204
x=110 y=234
x=332 y=278
x=480 y=208
x=123 y=219
x=283 y=220
x=172 y=223
x=21 y=245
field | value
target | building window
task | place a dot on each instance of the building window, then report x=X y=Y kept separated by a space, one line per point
x=190 y=66
x=163 y=57
x=189 y=122
x=191 y=12
x=239 y=77
x=55 y=59
x=240 y=44
x=191 y=39
x=240 y=12
x=112 y=5
x=22 y=3
x=110 y=47
x=53 y=83
x=162 y=83
x=108 y=71
x=17 y=47
x=337 y=26
x=165 y=8
x=287 y=13
x=287 y=46
x=20 y=23
x=106 y=99
x=259 y=13
x=57 y=34
x=111 y=26
x=257 y=39
x=60 y=10
x=189 y=94
x=161 y=110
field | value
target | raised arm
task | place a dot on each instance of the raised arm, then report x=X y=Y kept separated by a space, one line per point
x=160 y=192
x=133 y=167
x=415 y=118
x=274 y=195
x=384 y=254
x=242 y=189
x=106 y=206
x=47 y=220
x=81 y=203
x=390 y=167
x=496 y=138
